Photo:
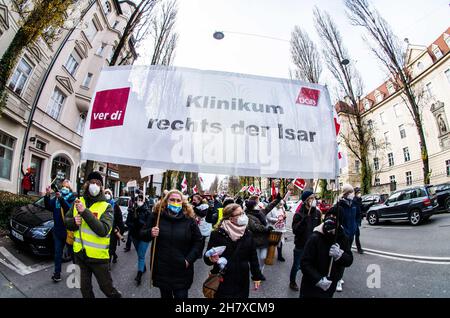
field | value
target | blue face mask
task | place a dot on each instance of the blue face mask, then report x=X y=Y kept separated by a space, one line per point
x=64 y=191
x=175 y=208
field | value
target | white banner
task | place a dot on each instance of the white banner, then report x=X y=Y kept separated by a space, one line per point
x=211 y=122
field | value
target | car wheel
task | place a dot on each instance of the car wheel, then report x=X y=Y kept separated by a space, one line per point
x=372 y=218
x=447 y=205
x=415 y=217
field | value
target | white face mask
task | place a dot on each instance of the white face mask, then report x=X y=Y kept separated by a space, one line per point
x=108 y=197
x=314 y=203
x=94 y=189
x=351 y=196
x=242 y=220
x=140 y=203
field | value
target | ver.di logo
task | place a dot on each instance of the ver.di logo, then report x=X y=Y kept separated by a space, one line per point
x=109 y=108
x=308 y=96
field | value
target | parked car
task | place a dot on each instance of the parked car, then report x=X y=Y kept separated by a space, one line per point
x=31 y=227
x=415 y=204
x=369 y=200
x=443 y=197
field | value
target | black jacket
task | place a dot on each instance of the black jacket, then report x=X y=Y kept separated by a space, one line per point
x=179 y=241
x=304 y=224
x=137 y=219
x=315 y=264
x=118 y=219
x=236 y=282
x=358 y=204
x=259 y=230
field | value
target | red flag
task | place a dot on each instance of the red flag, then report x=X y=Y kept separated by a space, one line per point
x=243 y=188
x=195 y=189
x=258 y=191
x=201 y=179
x=337 y=122
x=251 y=189
x=273 y=191
x=300 y=183
x=184 y=185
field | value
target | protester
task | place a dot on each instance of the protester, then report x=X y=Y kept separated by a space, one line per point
x=27 y=181
x=322 y=246
x=59 y=205
x=118 y=226
x=138 y=217
x=202 y=210
x=277 y=219
x=91 y=217
x=240 y=254
x=178 y=245
x=358 y=204
x=347 y=218
x=303 y=224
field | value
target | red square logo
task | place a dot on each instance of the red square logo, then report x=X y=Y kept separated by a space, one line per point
x=308 y=96
x=109 y=108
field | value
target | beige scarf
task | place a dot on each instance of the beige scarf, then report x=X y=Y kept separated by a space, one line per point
x=234 y=231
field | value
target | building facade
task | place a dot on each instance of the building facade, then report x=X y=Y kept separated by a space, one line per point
x=395 y=155
x=59 y=78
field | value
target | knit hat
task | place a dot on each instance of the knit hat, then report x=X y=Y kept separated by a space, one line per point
x=227 y=201
x=346 y=189
x=357 y=190
x=306 y=195
x=250 y=205
x=94 y=175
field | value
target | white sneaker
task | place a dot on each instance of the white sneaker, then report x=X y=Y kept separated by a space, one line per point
x=339 y=286
x=342 y=281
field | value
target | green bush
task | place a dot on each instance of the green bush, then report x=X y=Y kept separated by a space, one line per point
x=9 y=201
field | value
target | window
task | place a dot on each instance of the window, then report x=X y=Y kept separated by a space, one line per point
x=402 y=131
x=429 y=89
x=447 y=39
x=379 y=97
x=391 y=88
x=397 y=110
x=101 y=169
x=40 y=145
x=395 y=196
x=406 y=154
x=357 y=166
x=60 y=169
x=420 y=66
x=81 y=124
x=391 y=159
x=437 y=51
x=366 y=104
x=116 y=23
x=56 y=103
x=370 y=124
x=382 y=118
x=107 y=7
x=386 y=137
x=6 y=155
x=408 y=178
x=377 y=182
x=20 y=76
x=374 y=144
x=393 y=186
x=91 y=30
x=88 y=79
x=72 y=63
x=447 y=165
x=376 y=164
x=447 y=74
x=101 y=49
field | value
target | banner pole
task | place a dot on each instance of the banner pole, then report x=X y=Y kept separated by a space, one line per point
x=152 y=256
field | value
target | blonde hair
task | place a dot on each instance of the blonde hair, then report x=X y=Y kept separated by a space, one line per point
x=162 y=204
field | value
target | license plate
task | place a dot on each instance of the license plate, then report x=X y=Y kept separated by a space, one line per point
x=17 y=235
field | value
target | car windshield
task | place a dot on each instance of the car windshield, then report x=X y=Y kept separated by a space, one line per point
x=394 y=197
x=40 y=201
x=434 y=189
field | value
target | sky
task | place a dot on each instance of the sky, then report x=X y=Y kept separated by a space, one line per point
x=418 y=20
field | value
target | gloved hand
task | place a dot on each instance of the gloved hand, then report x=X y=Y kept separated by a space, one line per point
x=335 y=251
x=324 y=283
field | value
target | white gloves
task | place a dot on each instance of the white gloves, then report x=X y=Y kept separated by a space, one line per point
x=335 y=251
x=222 y=262
x=324 y=283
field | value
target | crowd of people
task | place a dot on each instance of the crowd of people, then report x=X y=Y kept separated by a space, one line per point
x=232 y=235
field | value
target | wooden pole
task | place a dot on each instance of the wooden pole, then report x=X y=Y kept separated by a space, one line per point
x=152 y=257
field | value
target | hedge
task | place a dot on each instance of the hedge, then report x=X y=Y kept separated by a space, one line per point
x=9 y=201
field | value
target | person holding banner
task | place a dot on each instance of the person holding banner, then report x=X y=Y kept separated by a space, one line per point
x=59 y=205
x=240 y=254
x=91 y=217
x=177 y=247
x=323 y=245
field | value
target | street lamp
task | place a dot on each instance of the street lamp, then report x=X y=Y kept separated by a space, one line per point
x=219 y=35
x=345 y=62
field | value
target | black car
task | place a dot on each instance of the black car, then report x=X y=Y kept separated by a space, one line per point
x=31 y=226
x=414 y=204
x=443 y=197
x=369 y=200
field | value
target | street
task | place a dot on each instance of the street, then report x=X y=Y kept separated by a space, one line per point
x=413 y=262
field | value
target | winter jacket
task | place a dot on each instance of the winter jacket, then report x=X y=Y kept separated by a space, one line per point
x=258 y=226
x=358 y=204
x=137 y=218
x=118 y=218
x=304 y=224
x=347 y=216
x=101 y=227
x=179 y=241
x=65 y=202
x=315 y=263
x=236 y=280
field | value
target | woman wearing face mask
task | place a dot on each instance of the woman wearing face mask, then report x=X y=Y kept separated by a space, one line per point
x=348 y=217
x=240 y=254
x=138 y=217
x=118 y=226
x=60 y=204
x=178 y=245
x=91 y=219
x=322 y=246
x=277 y=219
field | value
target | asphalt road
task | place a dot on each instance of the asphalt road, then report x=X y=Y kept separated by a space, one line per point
x=397 y=277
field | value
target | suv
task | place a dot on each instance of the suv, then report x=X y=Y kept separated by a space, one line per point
x=370 y=200
x=443 y=197
x=414 y=204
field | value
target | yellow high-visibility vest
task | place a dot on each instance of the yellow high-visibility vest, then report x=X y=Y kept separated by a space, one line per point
x=95 y=246
x=219 y=217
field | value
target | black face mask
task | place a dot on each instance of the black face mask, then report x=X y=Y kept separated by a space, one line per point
x=329 y=224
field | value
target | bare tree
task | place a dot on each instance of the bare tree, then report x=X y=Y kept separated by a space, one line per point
x=305 y=56
x=233 y=185
x=387 y=49
x=214 y=185
x=358 y=134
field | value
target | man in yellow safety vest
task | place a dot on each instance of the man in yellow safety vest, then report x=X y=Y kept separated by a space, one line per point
x=91 y=219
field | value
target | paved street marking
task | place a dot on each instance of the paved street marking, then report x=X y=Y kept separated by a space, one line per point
x=16 y=265
x=408 y=258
